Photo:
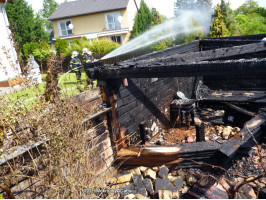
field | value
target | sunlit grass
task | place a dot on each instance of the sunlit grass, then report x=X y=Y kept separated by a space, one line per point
x=68 y=87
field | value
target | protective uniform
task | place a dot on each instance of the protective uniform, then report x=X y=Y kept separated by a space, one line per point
x=75 y=65
x=88 y=58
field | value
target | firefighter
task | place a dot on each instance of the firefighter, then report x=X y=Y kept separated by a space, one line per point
x=75 y=65
x=88 y=58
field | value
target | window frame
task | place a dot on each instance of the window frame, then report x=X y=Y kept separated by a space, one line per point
x=107 y=23
x=67 y=28
x=121 y=38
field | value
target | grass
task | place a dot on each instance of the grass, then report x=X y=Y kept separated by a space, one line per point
x=68 y=87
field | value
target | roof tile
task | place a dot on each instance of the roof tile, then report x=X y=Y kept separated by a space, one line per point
x=83 y=7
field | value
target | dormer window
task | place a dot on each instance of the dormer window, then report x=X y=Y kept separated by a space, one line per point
x=112 y=22
x=64 y=28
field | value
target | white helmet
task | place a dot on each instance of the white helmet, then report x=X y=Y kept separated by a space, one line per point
x=75 y=53
x=85 y=50
x=90 y=53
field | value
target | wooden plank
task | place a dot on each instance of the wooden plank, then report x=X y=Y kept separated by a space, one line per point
x=157 y=155
x=21 y=150
x=229 y=149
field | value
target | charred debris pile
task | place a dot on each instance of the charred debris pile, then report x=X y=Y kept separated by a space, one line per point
x=189 y=121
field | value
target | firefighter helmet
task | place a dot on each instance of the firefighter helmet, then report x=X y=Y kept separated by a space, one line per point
x=75 y=53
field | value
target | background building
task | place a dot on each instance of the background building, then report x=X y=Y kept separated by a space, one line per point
x=112 y=19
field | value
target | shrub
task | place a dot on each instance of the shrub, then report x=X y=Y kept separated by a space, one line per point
x=38 y=50
x=96 y=47
x=61 y=46
x=103 y=46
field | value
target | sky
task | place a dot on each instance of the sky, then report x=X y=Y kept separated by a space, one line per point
x=165 y=7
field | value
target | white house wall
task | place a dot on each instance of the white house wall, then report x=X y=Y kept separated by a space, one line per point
x=9 y=68
x=131 y=12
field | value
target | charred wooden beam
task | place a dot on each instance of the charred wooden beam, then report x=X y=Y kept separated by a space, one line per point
x=250 y=129
x=157 y=155
x=173 y=69
x=241 y=110
x=217 y=54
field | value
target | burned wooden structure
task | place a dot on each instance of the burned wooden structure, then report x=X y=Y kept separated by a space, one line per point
x=139 y=92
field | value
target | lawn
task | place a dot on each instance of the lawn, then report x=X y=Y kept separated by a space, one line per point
x=68 y=87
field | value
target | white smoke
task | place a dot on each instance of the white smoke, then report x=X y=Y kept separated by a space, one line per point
x=168 y=29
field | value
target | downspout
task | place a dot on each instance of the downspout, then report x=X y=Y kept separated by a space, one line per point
x=8 y=33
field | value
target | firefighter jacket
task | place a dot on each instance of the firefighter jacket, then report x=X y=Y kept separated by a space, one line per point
x=75 y=63
x=87 y=58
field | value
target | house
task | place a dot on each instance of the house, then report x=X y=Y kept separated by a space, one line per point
x=9 y=68
x=94 y=19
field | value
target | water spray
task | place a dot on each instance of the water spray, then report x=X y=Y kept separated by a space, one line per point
x=182 y=24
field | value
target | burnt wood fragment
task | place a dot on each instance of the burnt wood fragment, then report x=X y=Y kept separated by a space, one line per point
x=242 y=110
x=200 y=133
x=143 y=131
x=229 y=149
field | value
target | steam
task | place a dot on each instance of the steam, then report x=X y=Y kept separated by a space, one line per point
x=173 y=27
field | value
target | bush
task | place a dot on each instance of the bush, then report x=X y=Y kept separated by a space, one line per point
x=61 y=46
x=103 y=46
x=40 y=50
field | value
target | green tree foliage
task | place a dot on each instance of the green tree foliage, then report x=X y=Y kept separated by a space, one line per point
x=182 y=5
x=250 y=18
x=248 y=7
x=40 y=50
x=61 y=46
x=25 y=26
x=218 y=27
x=251 y=24
x=157 y=18
x=142 y=21
x=261 y=11
x=229 y=19
x=39 y=30
x=49 y=6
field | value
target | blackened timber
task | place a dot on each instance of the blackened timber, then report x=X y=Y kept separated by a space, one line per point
x=245 y=51
x=223 y=68
x=252 y=127
x=242 y=110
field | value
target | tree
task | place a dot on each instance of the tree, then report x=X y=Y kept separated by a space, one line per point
x=39 y=31
x=248 y=7
x=49 y=6
x=156 y=17
x=218 y=28
x=261 y=11
x=25 y=26
x=228 y=18
x=142 y=21
x=21 y=17
x=61 y=46
x=251 y=24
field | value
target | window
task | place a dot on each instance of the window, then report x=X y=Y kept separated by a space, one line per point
x=64 y=28
x=112 y=21
x=117 y=39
